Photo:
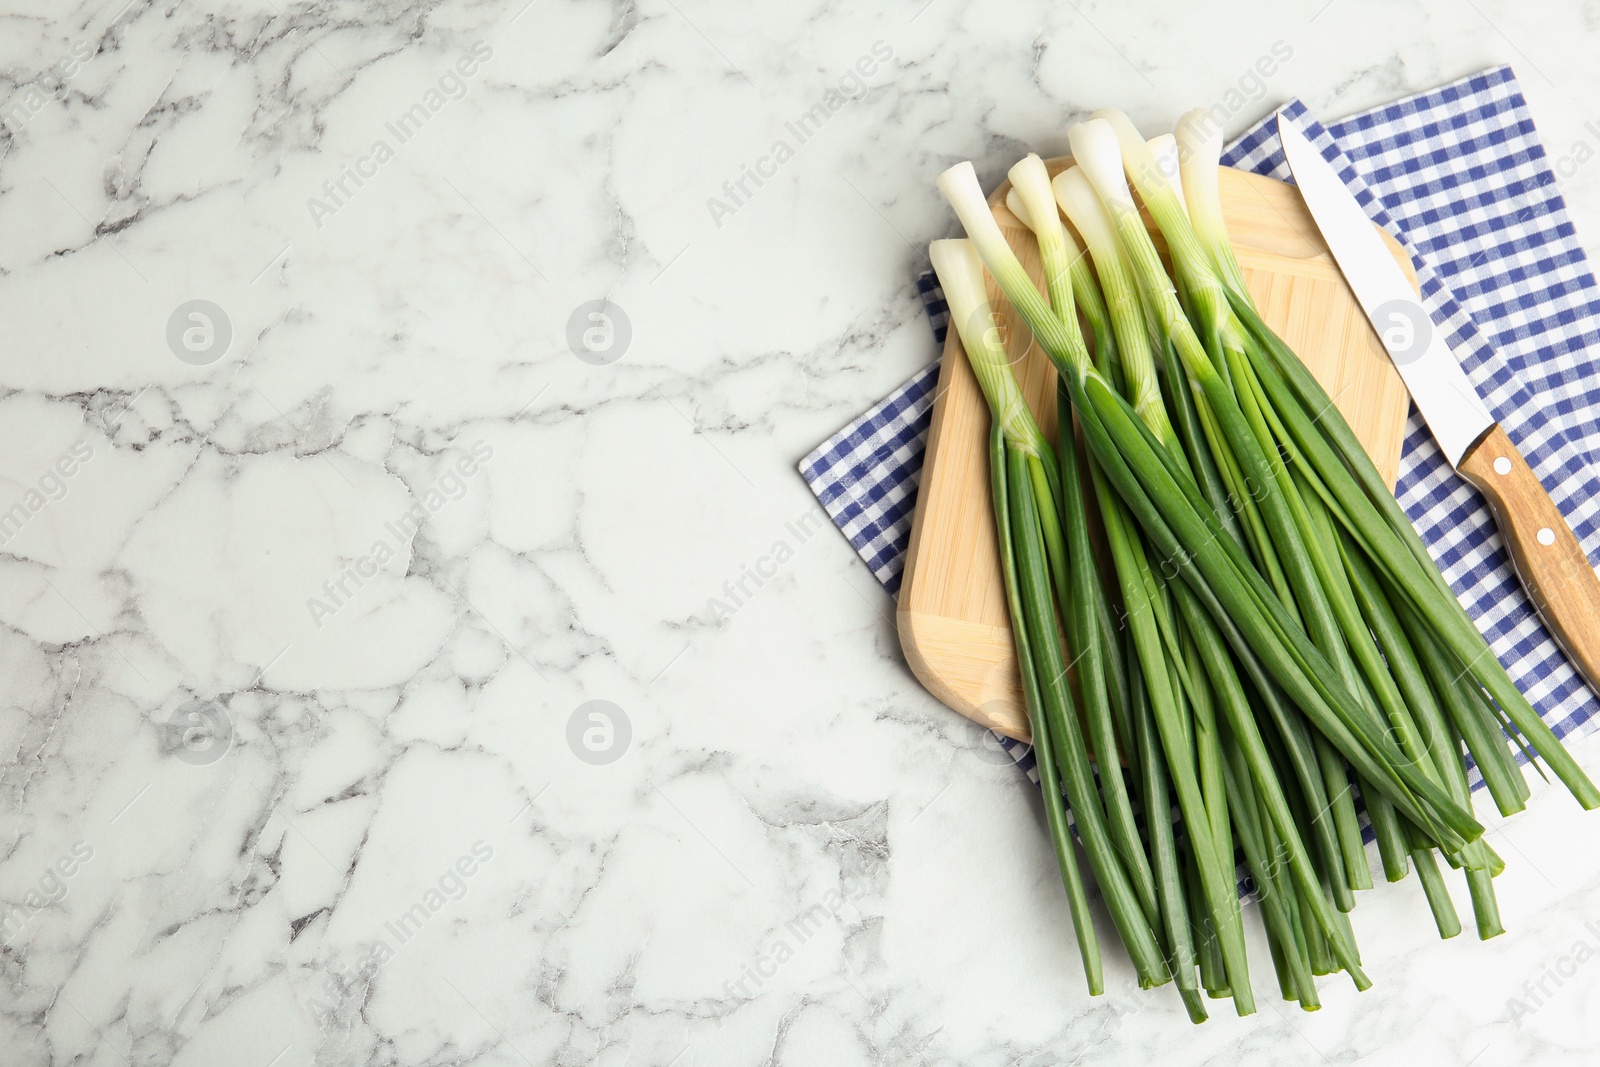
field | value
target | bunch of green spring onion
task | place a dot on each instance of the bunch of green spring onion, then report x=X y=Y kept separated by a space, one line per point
x=1270 y=639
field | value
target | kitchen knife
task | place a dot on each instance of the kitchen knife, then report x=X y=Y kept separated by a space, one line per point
x=1554 y=569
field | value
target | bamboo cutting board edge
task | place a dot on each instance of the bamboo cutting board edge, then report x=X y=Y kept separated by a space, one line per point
x=951 y=614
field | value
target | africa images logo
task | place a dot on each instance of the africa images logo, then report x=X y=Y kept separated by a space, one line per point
x=452 y=85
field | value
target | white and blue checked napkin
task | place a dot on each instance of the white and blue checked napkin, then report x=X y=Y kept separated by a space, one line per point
x=1459 y=176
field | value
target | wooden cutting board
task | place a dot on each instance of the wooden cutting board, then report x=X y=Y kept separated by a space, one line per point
x=952 y=614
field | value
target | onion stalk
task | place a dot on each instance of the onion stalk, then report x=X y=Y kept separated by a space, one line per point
x=1269 y=636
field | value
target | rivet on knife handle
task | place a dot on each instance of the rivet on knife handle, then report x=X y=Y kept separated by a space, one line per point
x=1553 y=566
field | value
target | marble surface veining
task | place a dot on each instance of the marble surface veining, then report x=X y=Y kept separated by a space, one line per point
x=386 y=684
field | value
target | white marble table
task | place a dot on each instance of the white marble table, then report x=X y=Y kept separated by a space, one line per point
x=312 y=584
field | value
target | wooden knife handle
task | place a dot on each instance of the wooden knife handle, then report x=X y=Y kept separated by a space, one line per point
x=1553 y=566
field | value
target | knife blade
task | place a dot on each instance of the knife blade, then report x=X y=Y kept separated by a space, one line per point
x=1554 y=568
x=1443 y=393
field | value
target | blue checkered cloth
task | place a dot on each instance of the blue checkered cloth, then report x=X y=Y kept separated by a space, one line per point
x=1459 y=176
